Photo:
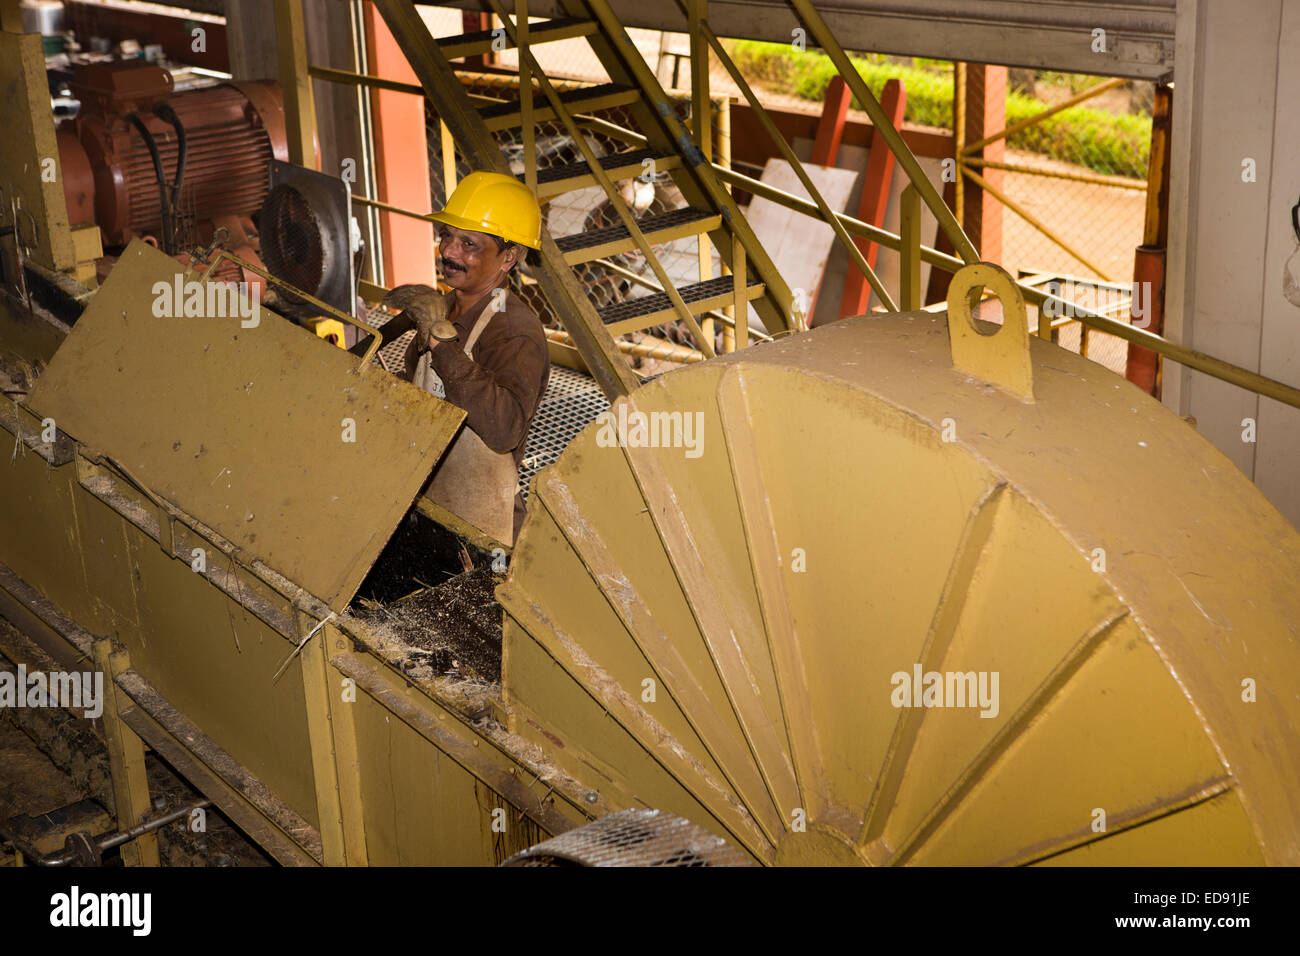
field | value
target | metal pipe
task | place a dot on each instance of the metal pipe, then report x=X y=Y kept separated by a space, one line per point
x=854 y=226
x=1217 y=368
x=348 y=78
x=909 y=259
x=526 y=129
x=1226 y=371
x=108 y=841
x=613 y=130
x=379 y=204
x=1118 y=182
x=102 y=843
x=668 y=351
x=959 y=137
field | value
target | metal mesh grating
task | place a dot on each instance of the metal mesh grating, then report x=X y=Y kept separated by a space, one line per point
x=549 y=174
x=572 y=98
x=633 y=838
x=649 y=304
x=571 y=402
x=648 y=224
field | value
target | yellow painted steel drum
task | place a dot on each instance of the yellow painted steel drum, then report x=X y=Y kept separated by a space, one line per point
x=729 y=619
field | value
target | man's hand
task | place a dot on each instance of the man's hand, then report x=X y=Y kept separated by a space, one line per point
x=427 y=308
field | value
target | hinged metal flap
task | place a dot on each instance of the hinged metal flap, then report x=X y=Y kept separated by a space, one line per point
x=275 y=438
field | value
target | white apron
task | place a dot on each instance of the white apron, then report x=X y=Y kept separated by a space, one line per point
x=473 y=482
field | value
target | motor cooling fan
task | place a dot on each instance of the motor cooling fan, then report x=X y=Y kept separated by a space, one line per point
x=308 y=238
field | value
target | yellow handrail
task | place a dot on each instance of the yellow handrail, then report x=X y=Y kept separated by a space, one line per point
x=828 y=214
x=823 y=37
x=616 y=200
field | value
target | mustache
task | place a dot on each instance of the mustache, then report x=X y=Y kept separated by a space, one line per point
x=449 y=264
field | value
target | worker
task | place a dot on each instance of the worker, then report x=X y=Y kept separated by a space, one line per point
x=481 y=348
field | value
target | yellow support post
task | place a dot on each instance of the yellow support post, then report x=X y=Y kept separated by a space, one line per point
x=700 y=104
x=295 y=82
x=723 y=140
x=332 y=731
x=739 y=280
x=526 y=95
x=126 y=760
x=909 y=262
x=11 y=17
x=701 y=129
x=448 y=159
x=959 y=138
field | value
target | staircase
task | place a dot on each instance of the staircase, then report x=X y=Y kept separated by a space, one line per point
x=660 y=144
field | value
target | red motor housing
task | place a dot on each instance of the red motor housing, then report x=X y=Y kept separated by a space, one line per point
x=232 y=131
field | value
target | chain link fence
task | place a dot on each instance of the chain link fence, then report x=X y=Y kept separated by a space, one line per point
x=1073 y=206
x=1071 y=210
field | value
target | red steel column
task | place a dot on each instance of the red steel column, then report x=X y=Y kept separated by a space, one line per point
x=986 y=113
x=875 y=200
x=1144 y=368
x=401 y=159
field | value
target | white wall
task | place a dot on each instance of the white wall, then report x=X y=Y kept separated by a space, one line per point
x=1237 y=88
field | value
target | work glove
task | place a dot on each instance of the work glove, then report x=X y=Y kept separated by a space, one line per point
x=427 y=308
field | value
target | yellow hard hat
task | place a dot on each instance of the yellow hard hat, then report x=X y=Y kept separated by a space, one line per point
x=496 y=204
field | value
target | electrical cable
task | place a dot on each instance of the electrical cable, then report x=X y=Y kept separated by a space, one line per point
x=163 y=199
x=168 y=115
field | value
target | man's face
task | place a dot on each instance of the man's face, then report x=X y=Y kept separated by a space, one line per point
x=470 y=260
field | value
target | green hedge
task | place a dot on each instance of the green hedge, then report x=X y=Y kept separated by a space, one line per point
x=1096 y=139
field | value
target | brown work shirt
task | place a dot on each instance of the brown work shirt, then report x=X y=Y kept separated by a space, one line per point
x=501 y=386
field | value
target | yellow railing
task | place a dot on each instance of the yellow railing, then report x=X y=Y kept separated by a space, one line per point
x=908 y=243
x=528 y=65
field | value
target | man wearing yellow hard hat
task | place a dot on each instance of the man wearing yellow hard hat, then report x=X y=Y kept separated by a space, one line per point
x=481 y=348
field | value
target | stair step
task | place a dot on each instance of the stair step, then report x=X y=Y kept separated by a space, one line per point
x=604 y=96
x=555 y=180
x=611 y=240
x=633 y=315
x=480 y=42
